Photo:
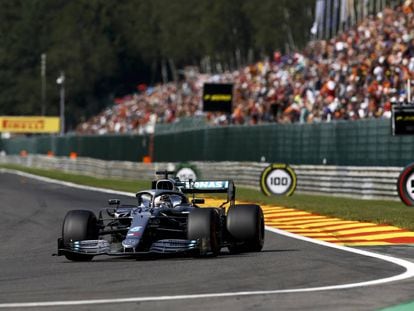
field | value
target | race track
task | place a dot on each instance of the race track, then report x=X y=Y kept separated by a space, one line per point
x=31 y=215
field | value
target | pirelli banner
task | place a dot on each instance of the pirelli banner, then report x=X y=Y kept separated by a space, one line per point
x=30 y=124
x=218 y=97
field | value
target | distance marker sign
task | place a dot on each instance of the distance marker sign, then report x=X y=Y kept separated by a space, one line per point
x=405 y=185
x=186 y=174
x=278 y=179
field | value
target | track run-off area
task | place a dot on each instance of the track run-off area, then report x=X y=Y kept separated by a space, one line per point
x=303 y=264
x=333 y=230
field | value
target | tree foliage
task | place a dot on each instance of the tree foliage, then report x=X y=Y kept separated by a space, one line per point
x=107 y=47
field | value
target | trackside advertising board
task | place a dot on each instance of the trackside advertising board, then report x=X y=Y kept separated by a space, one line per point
x=218 y=97
x=403 y=120
x=31 y=124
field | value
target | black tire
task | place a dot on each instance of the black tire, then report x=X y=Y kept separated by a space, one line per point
x=245 y=223
x=203 y=224
x=79 y=225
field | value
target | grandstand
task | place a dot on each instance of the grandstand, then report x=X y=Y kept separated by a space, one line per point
x=357 y=74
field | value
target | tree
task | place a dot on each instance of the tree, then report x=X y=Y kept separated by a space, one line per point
x=21 y=44
x=81 y=49
x=107 y=47
x=226 y=31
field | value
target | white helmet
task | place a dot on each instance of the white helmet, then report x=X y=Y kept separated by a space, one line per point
x=163 y=201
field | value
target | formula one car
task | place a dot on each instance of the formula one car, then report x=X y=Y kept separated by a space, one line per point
x=165 y=221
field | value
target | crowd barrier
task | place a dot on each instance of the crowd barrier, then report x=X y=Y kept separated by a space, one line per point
x=342 y=143
x=356 y=182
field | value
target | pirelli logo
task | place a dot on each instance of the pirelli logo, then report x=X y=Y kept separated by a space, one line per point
x=24 y=125
x=218 y=97
x=29 y=124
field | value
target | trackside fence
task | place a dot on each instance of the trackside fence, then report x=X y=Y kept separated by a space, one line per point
x=342 y=143
x=350 y=181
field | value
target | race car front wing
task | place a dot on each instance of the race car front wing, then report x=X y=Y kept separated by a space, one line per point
x=103 y=247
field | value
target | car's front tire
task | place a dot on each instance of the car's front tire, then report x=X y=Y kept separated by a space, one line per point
x=203 y=224
x=79 y=225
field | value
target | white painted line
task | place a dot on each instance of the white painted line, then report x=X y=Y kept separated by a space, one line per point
x=409 y=266
x=65 y=183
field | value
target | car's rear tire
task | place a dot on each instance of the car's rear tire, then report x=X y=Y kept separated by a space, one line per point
x=203 y=225
x=245 y=223
x=79 y=225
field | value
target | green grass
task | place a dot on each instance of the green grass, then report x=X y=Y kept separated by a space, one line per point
x=381 y=212
x=109 y=183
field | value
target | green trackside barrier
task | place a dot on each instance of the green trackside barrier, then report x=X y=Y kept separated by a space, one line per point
x=18 y=144
x=185 y=124
x=356 y=143
x=353 y=143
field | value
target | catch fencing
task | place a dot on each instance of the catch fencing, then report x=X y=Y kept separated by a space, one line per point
x=348 y=181
x=342 y=143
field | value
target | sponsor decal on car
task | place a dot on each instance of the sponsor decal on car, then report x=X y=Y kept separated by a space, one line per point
x=135 y=229
x=208 y=185
x=134 y=234
x=129 y=242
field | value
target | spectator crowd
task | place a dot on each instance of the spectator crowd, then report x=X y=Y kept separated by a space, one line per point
x=358 y=74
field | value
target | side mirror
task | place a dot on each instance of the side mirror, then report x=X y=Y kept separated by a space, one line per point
x=114 y=201
x=198 y=201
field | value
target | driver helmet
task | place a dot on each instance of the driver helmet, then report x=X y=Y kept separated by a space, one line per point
x=163 y=201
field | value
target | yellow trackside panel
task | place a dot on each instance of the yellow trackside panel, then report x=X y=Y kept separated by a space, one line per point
x=30 y=124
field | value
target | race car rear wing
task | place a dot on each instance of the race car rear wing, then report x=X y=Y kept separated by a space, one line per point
x=210 y=186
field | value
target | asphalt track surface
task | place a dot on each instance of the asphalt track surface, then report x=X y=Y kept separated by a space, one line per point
x=31 y=215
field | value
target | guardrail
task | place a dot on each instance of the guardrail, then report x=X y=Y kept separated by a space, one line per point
x=357 y=182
